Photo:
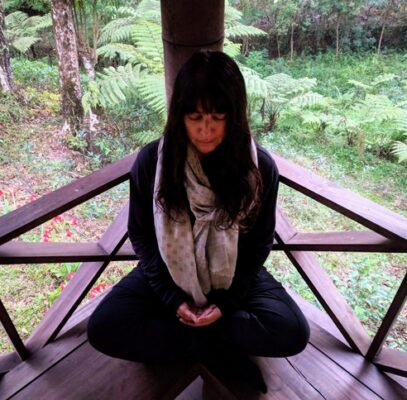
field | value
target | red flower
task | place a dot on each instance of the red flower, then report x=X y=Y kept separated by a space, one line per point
x=1 y=193
x=74 y=221
x=97 y=290
x=58 y=219
x=62 y=286
x=70 y=275
x=33 y=197
x=68 y=233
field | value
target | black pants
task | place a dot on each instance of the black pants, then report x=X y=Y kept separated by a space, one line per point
x=131 y=323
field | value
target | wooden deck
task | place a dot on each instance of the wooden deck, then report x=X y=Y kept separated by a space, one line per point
x=70 y=369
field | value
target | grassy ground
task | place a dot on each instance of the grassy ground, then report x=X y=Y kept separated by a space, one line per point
x=35 y=160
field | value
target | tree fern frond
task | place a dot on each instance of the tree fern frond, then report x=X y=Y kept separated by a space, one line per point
x=231 y=49
x=284 y=85
x=118 y=30
x=255 y=85
x=148 y=39
x=15 y=19
x=125 y=11
x=383 y=78
x=400 y=151
x=401 y=123
x=377 y=108
x=150 y=10
x=38 y=22
x=144 y=137
x=152 y=89
x=360 y=85
x=239 y=30
x=232 y=15
x=114 y=84
x=125 y=52
x=23 y=44
x=309 y=99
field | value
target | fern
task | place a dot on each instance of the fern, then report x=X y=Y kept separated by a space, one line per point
x=148 y=40
x=399 y=148
x=377 y=108
x=234 y=29
x=400 y=151
x=144 y=137
x=150 y=10
x=238 y=31
x=21 y=30
x=309 y=99
x=127 y=53
x=231 y=49
x=113 y=84
x=152 y=88
x=118 y=30
x=256 y=86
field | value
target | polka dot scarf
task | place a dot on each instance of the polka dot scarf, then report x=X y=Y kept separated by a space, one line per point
x=199 y=258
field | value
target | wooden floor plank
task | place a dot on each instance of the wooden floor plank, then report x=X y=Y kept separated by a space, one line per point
x=87 y=374
x=330 y=380
x=70 y=369
x=41 y=361
x=327 y=338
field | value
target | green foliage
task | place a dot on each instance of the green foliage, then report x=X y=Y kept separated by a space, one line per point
x=152 y=90
x=42 y=6
x=35 y=72
x=10 y=110
x=111 y=86
x=22 y=30
x=235 y=29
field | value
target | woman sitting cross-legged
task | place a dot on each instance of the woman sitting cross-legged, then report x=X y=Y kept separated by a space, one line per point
x=202 y=221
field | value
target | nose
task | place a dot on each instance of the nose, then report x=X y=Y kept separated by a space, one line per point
x=206 y=126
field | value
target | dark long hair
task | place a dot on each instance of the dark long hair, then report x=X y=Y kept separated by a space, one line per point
x=214 y=80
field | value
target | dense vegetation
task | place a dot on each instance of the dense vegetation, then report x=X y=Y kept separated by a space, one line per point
x=323 y=93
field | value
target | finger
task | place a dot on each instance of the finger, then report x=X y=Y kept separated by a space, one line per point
x=187 y=322
x=187 y=315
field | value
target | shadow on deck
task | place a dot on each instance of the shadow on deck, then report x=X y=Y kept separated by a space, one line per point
x=70 y=369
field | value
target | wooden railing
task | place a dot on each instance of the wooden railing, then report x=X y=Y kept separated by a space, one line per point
x=387 y=232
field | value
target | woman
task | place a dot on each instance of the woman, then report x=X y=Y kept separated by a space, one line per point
x=202 y=220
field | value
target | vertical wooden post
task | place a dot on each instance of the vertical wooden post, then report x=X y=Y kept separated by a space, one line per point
x=189 y=26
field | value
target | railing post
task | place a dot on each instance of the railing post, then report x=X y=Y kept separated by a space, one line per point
x=189 y=26
x=12 y=333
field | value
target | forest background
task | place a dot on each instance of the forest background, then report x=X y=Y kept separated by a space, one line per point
x=327 y=85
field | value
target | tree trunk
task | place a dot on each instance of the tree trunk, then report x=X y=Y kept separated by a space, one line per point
x=5 y=67
x=67 y=52
x=379 y=46
x=292 y=42
x=337 y=38
x=88 y=57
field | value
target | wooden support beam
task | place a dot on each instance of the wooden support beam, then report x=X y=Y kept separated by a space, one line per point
x=356 y=241
x=394 y=361
x=371 y=215
x=189 y=26
x=39 y=211
x=325 y=291
x=12 y=333
x=394 y=310
x=79 y=285
x=35 y=253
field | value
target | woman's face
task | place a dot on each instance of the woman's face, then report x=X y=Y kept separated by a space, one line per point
x=205 y=131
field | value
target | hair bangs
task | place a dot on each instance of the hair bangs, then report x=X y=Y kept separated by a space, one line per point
x=210 y=96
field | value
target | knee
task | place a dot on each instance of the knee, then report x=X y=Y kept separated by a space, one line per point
x=299 y=338
x=96 y=332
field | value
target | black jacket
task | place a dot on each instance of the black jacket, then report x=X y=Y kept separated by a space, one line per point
x=253 y=246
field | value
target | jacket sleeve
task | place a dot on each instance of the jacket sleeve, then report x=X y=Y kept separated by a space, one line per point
x=142 y=234
x=255 y=245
